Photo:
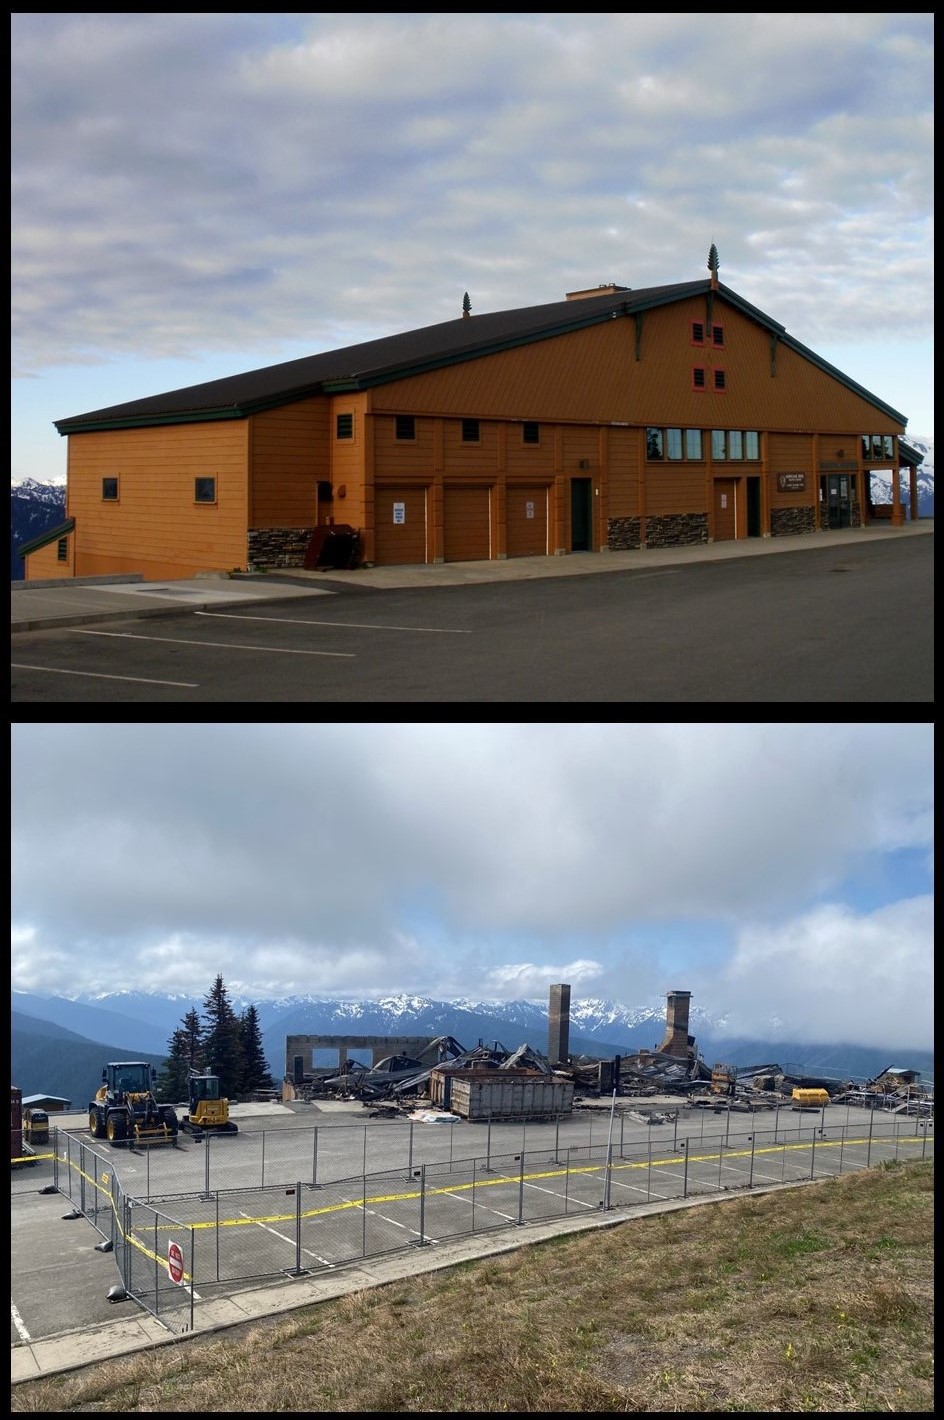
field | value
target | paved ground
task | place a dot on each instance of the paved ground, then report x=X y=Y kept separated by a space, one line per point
x=39 y=606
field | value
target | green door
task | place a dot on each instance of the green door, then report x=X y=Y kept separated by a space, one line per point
x=581 y=538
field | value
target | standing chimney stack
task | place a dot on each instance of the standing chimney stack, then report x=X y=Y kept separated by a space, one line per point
x=558 y=1043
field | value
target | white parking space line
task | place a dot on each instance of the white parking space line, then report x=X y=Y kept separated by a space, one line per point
x=18 y=1323
x=282 y=1238
x=96 y=675
x=344 y=625
x=219 y=645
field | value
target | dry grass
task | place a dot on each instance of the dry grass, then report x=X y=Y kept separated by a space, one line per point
x=817 y=1298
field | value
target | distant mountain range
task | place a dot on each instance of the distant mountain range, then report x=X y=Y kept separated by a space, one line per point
x=35 y=507
x=142 y=1024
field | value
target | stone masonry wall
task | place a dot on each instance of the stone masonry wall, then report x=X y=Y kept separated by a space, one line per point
x=784 y=522
x=677 y=530
x=622 y=534
x=278 y=547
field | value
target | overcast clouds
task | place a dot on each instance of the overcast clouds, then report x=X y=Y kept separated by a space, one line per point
x=195 y=194
x=778 y=872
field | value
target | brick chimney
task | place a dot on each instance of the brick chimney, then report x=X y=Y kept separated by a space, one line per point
x=677 y=1039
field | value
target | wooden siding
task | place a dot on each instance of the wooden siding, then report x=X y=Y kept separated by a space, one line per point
x=593 y=376
x=155 y=527
x=791 y=454
x=43 y=564
x=289 y=454
x=406 y=541
x=526 y=519
x=624 y=451
x=350 y=459
x=675 y=488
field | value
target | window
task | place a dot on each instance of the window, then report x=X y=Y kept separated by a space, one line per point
x=693 y=443
x=204 y=490
x=109 y=489
x=530 y=433
x=698 y=378
x=752 y=444
x=717 y=444
x=470 y=431
x=876 y=446
x=654 y=444
x=717 y=336
x=719 y=379
x=698 y=333
x=888 y=446
x=406 y=426
x=673 y=443
x=345 y=426
x=62 y=549
x=866 y=446
x=735 y=444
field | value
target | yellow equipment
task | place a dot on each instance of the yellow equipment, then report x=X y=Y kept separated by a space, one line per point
x=35 y=1126
x=810 y=1099
x=207 y=1112
x=124 y=1111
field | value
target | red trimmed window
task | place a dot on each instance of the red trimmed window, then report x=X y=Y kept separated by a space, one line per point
x=698 y=377
x=720 y=381
x=698 y=333
x=717 y=336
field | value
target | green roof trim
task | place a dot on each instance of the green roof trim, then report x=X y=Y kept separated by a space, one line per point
x=43 y=540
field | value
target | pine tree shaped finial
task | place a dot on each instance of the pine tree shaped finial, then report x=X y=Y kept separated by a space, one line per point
x=713 y=259
x=466 y=305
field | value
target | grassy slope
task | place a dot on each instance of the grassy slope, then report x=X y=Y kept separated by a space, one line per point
x=815 y=1298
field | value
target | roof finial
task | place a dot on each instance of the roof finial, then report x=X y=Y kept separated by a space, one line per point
x=713 y=266
x=466 y=305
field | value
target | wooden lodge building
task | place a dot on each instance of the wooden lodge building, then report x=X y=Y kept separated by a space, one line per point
x=614 y=419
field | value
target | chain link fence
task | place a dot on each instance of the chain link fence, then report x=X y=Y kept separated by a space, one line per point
x=294 y=1212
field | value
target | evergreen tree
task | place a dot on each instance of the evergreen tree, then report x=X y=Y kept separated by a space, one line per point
x=223 y=1049
x=184 y=1053
x=256 y=1074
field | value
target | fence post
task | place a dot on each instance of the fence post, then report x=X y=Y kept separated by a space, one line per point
x=685 y=1175
x=420 y=1173
x=263 y=1158
x=206 y=1157
x=193 y=1269
x=868 y=1156
x=314 y=1159
x=409 y=1162
x=750 y=1180
x=298 y=1270
x=649 y=1167
x=521 y=1189
x=812 y=1153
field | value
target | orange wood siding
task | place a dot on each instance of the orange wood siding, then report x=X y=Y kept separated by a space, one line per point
x=352 y=461
x=394 y=457
x=155 y=527
x=44 y=564
x=526 y=520
x=289 y=455
x=593 y=375
x=675 y=488
x=791 y=454
x=403 y=541
x=623 y=452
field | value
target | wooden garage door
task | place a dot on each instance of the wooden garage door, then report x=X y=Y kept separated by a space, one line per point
x=399 y=525
x=526 y=520
x=466 y=524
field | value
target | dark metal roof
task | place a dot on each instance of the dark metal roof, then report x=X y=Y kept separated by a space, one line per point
x=908 y=456
x=50 y=535
x=358 y=367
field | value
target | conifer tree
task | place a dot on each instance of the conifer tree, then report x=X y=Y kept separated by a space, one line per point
x=184 y=1053
x=223 y=1050
x=256 y=1074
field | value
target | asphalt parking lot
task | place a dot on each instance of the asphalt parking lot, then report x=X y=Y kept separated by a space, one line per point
x=61 y=1278
x=837 y=623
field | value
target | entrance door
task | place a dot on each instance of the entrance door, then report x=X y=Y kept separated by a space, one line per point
x=581 y=537
x=725 y=510
x=837 y=499
x=753 y=507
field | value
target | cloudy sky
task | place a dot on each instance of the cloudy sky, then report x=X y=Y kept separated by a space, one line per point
x=196 y=195
x=779 y=872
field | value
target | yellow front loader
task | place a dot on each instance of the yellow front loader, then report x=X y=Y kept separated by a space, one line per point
x=207 y=1113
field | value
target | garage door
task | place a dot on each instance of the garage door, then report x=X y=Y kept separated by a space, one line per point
x=466 y=524
x=399 y=525
x=526 y=521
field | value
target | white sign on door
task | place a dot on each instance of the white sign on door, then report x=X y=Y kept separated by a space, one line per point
x=529 y=510
x=399 y=512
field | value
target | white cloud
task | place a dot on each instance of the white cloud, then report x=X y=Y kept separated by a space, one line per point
x=251 y=187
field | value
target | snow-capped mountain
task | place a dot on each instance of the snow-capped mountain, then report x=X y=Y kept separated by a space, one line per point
x=882 y=482
x=145 y=1022
x=34 y=508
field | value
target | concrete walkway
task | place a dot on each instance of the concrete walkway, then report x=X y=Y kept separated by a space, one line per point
x=38 y=606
